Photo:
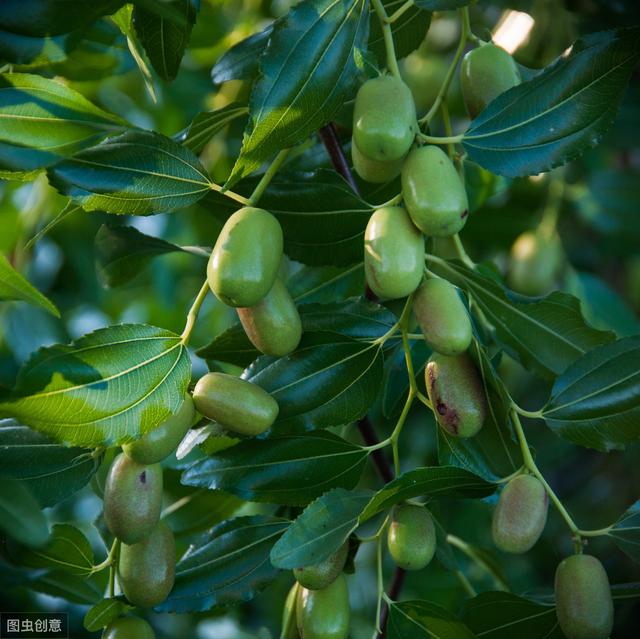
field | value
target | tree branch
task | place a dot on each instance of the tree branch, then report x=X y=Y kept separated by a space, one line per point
x=394 y=591
x=330 y=140
x=371 y=439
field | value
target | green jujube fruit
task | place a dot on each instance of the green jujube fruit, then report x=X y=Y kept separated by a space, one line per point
x=373 y=170
x=456 y=393
x=159 y=443
x=485 y=73
x=324 y=614
x=289 y=621
x=411 y=537
x=424 y=75
x=443 y=317
x=433 y=192
x=583 y=598
x=320 y=575
x=273 y=325
x=237 y=405
x=128 y=628
x=534 y=263
x=393 y=253
x=245 y=260
x=132 y=499
x=384 y=119
x=520 y=515
x=147 y=569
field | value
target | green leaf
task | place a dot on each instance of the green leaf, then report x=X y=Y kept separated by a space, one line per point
x=324 y=525
x=308 y=69
x=44 y=120
x=501 y=615
x=424 y=619
x=137 y=173
x=546 y=334
x=35 y=51
x=208 y=123
x=67 y=550
x=104 y=612
x=596 y=402
x=122 y=252
x=441 y=5
x=20 y=514
x=230 y=564
x=164 y=39
x=329 y=380
x=52 y=17
x=51 y=472
x=325 y=284
x=561 y=112
x=626 y=532
x=80 y=590
x=105 y=389
x=15 y=287
x=289 y=470
x=355 y=318
x=430 y=481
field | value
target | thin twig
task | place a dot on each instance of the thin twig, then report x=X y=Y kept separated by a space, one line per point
x=394 y=591
x=331 y=142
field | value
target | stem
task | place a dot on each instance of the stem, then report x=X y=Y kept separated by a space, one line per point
x=535 y=414
x=176 y=505
x=399 y=12
x=231 y=194
x=463 y=546
x=392 y=63
x=444 y=89
x=466 y=584
x=601 y=532
x=268 y=176
x=111 y=557
x=193 y=313
x=331 y=143
x=380 y=582
x=441 y=139
x=369 y=436
x=462 y=253
x=394 y=591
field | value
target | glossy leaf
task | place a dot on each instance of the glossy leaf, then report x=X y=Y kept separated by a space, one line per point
x=596 y=402
x=51 y=472
x=626 y=532
x=20 y=514
x=80 y=590
x=545 y=334
x=104 y=612
x=137 y=173
x=501 y=615
x=208 y=123
x=43 y=120
x=561 y=112
x=104 y=389
x=329 y=380
x=424 y=619
x=321 y=529
x=240 y=62
x=307 y=70
x=14 y=286
x=325 y=284
x=229 y=564
x=164 y=39
x=16 y=48
x=289 y=470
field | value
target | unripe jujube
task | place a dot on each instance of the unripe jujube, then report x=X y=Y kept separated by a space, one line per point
x=237 y=405
x=442 y=316
x=393 y=253
x=132 y=499
x=520 y=515
x=273 y=325
x=128 y=628
x=433 y=192
x=320 y=575
x=424 y=75
x=147 y=569
x=324 y=614
x=485 y=73
x=456 y=393
x=245 y=260
x=373 y=170
x=411 y=537
x=534 y=262
x=583 y=598
x=159 y=443
x=384 y=119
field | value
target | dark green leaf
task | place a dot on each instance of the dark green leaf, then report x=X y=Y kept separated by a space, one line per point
x=424 y=620
x=230 y=564
x=441 y=5
x=137 y=173
x=107 y=388
x=546 y=335
x=329 y=380
x=15 y=287
x=20 y=515
x=324 y=284
x=208 y=123
x=240 y=62
x=501 y=615
x=596 y=402
x=103 y=613
x=21 y=49
x=289 y=470
x=52 y=472
x=324 y=525
x=308 y=69
x=164 y=39
x=626 y=532
x=80 y=590
x=557 y=115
